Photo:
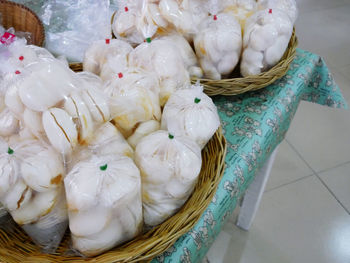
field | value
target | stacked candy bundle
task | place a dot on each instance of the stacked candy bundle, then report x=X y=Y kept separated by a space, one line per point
x=87 y=151
x=255 y=32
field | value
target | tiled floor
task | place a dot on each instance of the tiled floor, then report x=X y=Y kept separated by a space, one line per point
x=304 y=215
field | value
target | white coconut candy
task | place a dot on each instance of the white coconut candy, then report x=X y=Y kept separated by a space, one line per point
x=169 y=167
x=187 y=54
x=100 y=51
x=135 y=21
x=186 y=16
x=190 y=112
x=60 y=130
x=143 y=130
x=31 y=190
x=134 y=99
x=241 y=9
x=162 y=57
x=266 y=37
x=218 y=45
x=45 y=84
x=104 y=203
x=288 y=6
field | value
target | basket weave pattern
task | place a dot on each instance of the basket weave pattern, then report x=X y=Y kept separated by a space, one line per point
x=235 y=86
x=22 y=19
x=15 y=246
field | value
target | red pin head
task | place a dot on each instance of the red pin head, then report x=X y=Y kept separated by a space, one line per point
x=126 y=9
x=215 y=17
x=107 y=41
x=21 y=58
x=270 y=11
x=17 y=72
x=120 y=75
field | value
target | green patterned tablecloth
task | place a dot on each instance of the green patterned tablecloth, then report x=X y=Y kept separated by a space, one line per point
x=254 y=124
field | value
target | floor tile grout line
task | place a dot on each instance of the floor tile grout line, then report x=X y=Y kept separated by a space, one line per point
x=334 y=167
x=325 y=185
x=318 y=176
x=300 y=156
x=285 y=184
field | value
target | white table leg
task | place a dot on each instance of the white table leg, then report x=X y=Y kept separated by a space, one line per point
x=253 y=195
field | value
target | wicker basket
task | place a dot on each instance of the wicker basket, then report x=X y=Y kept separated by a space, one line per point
x=22 y=19
x=15 y=246
x=238 y=85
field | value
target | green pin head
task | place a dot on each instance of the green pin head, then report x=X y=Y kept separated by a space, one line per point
x=148 y=40
x=197 y=100
x=10 y=151
x=103 y=167
x=171 y=136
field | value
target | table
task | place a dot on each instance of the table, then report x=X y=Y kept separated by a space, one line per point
x=254 y=124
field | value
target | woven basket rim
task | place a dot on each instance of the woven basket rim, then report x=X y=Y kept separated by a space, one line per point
x=40 y=24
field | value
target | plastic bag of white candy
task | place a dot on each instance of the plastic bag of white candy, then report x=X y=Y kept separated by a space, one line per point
x=190 y=112
x=288 y=6
x=169 y=167
x=266 y=37
x=56 y=105
x=104 y=203
x=31 y=190
x=136 y=21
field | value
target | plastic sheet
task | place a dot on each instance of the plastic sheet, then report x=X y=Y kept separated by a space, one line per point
x=169 y=167
x=71 y=26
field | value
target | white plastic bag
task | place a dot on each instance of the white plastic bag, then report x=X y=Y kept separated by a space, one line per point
x=288 y=6
x=71 y=26
x=31 y=190
x=190 y=112
x=136 y=21
x=187 y=54
x=218 y=45
x=241 y=9
x=104 y=203
x=185 y=15
x=134 y=99
x=266 y=37
x=112 y=52
x=169 y=167
x=161 y=57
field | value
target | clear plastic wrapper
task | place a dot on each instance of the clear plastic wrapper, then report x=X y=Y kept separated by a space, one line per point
x=104 y=203
x=31 y=189
x=190 y=112
x=134 y=97
x=107 y=57
x=288 y=6
x=143 y=130
x=266 y=37
x=161 y=57
x=169 y=167
x=218 y=45
x=241 y=9
x=138 y=20
x=185 y=15
x=187 y=54
x=71 y=26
